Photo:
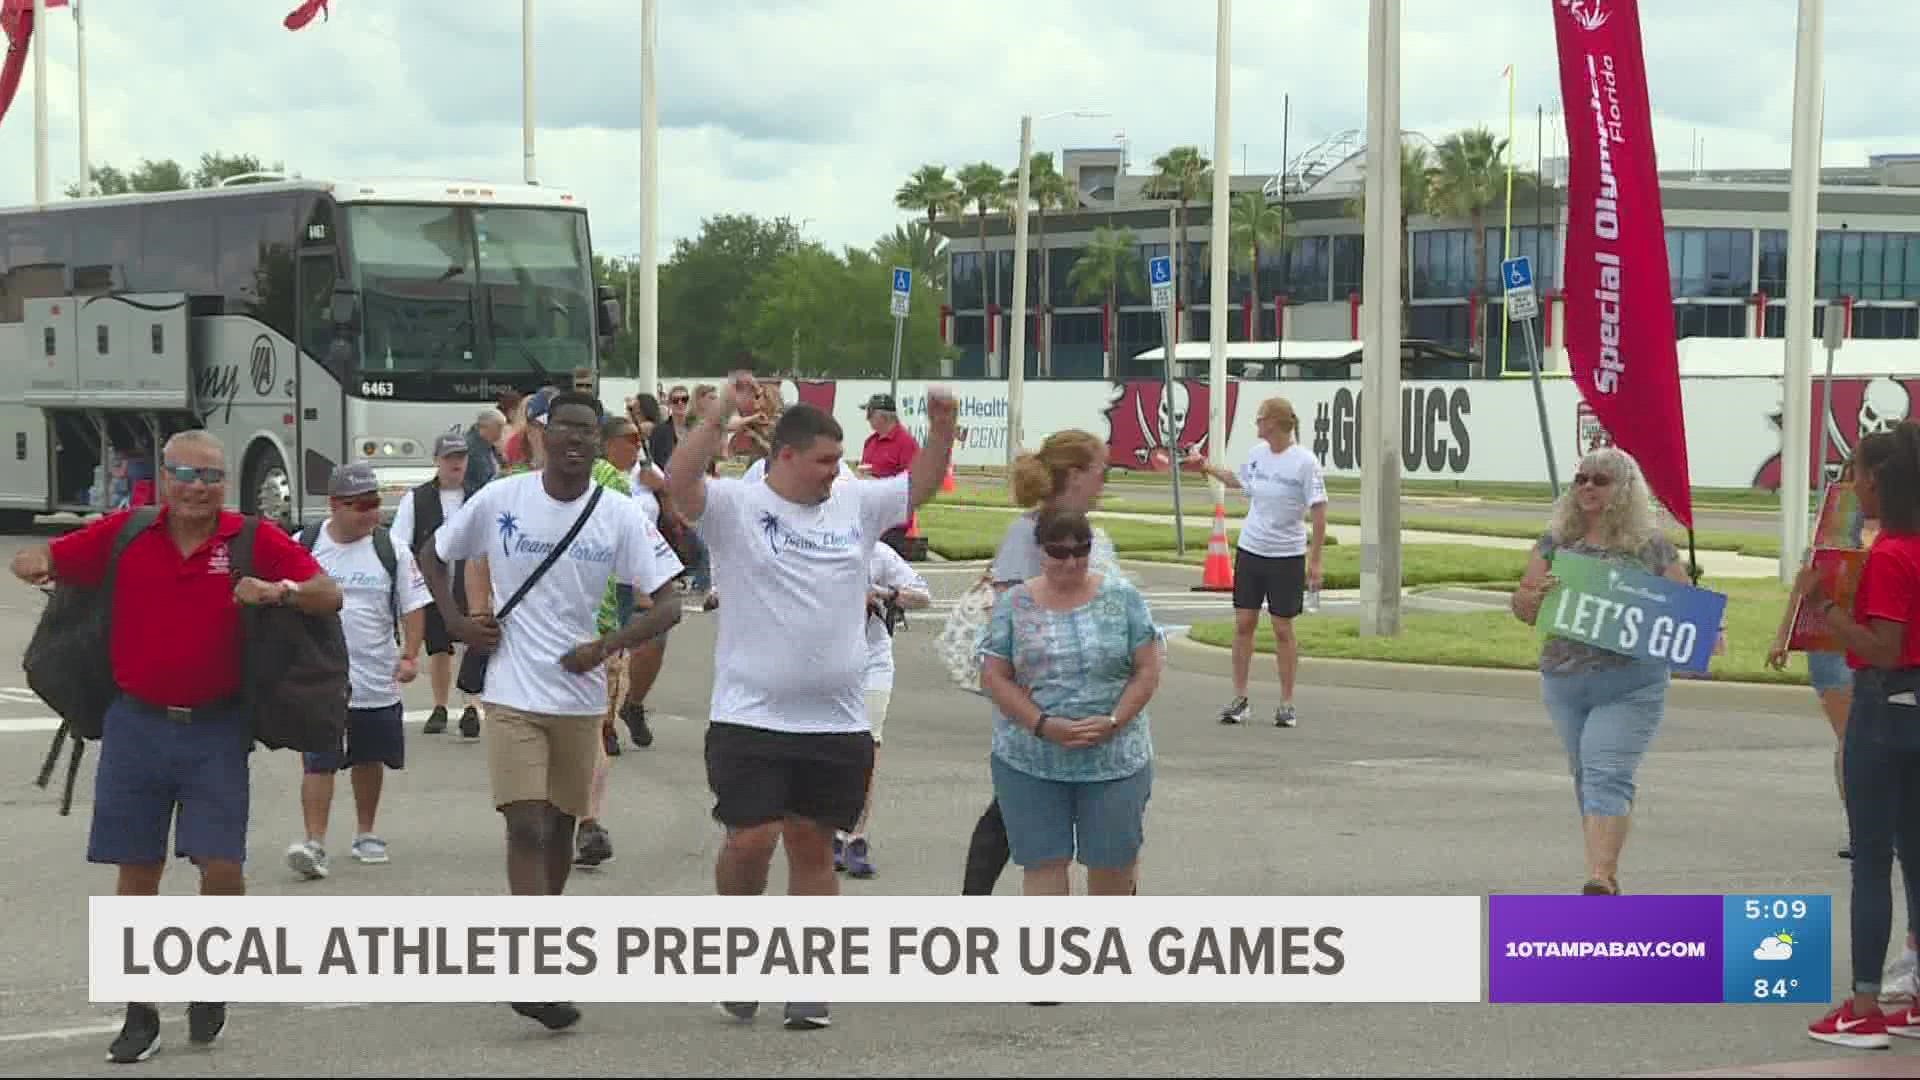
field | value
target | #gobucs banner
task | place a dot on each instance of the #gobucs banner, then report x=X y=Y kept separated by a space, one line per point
x=1620 y=338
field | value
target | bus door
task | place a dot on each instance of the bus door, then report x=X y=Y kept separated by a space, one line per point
x=320 y=394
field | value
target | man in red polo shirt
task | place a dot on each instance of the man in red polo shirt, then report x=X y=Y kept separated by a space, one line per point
x=178 y=737
x=889 y=451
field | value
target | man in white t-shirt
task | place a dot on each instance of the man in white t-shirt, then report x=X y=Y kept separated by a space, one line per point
x=789 y=748
x=1276 y=562
x=895 y=589
x=421 y=512
x=353 y=548
x=546 y=690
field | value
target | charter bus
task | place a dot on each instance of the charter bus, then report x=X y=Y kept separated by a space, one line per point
x=306 y=323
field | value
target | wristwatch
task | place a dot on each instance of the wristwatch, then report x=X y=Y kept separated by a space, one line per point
x=1040 y=725
x=287 y=589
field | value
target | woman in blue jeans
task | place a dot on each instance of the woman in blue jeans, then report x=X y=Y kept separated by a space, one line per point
x=1882 y=753
x=1070 y=660
x=1606 y=706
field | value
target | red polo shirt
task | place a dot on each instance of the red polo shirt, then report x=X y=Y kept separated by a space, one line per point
x=889 y=454
x=176 y=625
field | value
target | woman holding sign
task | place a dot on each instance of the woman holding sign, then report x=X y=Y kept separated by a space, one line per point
x=1882 y=752
x=1606 y=705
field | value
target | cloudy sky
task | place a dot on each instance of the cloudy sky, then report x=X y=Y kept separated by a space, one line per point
x=817 y=109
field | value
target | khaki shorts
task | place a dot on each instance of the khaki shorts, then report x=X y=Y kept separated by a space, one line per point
x=539 y=757
x=616 y=669
x=877 y=711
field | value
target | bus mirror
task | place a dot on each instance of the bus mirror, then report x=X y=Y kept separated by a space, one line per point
x=346 y=311
x=610 y=317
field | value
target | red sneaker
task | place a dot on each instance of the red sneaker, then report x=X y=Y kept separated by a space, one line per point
x=1843 y=1027
x=1904 y=1022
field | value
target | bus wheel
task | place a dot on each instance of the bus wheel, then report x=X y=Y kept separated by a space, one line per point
x=269 y=491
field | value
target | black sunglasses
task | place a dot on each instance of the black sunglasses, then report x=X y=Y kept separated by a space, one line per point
x=1596 y=479
x=1070 y=551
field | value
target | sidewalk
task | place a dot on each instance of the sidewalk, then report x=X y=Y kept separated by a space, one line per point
x=1726 y=564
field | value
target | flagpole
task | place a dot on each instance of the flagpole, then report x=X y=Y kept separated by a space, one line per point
x=1802 y=209
x=526 y=90
x=80 y=62
x=1507 y=237
x=41 y=177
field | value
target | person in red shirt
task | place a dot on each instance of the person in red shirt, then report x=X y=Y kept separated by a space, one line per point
x=177 y=739
x=1881 y=756
x=889 y=451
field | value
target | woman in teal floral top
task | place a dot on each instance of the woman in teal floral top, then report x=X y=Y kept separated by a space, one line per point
x=1070 y=661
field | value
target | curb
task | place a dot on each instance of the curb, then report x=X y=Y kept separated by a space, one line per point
x=1196 y=657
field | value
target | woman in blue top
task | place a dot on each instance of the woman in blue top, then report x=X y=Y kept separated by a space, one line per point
x=1071 y=659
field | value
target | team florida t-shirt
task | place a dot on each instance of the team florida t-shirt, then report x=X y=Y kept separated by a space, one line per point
x=366 y=614
x=792 y=654
x=514 y=523
x=1280 y=489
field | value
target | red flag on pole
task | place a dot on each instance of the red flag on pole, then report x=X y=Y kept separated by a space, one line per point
x=304 y=14
x=16 y=26
x=1620 y=338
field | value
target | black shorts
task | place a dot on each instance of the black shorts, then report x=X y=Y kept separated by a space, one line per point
x=439 y=641
x=1280 y=584
x=759 y=776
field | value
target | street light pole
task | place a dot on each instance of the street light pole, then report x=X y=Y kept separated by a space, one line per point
x=649 y=200
x=1017 y=358
x=1803 y=199
x=1217 y=302
x=80 y=63
x=1380 y=364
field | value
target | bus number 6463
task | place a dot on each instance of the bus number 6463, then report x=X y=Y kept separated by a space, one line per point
x=376 y=389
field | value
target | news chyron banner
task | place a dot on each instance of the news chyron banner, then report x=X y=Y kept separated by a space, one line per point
x=681 y=949
x=1666 y=950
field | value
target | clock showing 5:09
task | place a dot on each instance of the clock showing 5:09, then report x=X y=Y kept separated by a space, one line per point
x=1778 y=949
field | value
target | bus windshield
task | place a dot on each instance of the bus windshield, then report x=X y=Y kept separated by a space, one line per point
x=465 y=289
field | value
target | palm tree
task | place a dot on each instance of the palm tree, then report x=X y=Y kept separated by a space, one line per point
x=1416 y=197
x=929 y=189
x=1470 y=176
x=1047 y=189
x=919 y=248
x=980 y=184
x=1255 y=224
x=1109 y=263
x=1182 y=173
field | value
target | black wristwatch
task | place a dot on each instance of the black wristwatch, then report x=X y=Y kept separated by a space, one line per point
x=1040 y=725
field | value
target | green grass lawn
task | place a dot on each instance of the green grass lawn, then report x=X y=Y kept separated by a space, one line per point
x=1420 y=564
x=1755 y=544
x=1194 y=500
x=961 y=531
x=1496 y=639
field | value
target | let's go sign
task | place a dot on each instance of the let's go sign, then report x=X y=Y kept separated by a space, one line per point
x=1632 y=612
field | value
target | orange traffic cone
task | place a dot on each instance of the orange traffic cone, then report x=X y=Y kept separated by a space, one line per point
x=1217 y=574
x=947 y=484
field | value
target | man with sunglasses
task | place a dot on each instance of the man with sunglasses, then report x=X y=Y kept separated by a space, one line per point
x=175 y=744
x=789 y=748
x=546 y=685
x=378 y=603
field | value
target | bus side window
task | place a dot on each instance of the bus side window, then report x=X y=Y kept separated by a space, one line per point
x=316 y=306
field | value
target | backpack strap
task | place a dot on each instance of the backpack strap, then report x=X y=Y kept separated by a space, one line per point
x=310 y=535
x=553 y=556
x=241 y=551
x=390 y=560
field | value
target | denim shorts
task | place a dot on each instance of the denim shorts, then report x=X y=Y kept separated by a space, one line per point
x=153 y=768
x=1606 y=720
x=1101 y=821
x=1828 y=671
x=374 y=737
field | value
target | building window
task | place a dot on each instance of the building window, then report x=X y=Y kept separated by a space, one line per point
x=1306 y=280
x=1869 y=265
x=1442 y=259
x=1883 y=323
x=1710 y=320
x=1347 y=270
x=965 y=276
x=1533 y=241
x=1445 y=324
x=1773 y=262
x=1710 y=262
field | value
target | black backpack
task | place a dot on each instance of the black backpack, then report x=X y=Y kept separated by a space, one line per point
x=62 y=661
x=382 y=547
x=294 y=672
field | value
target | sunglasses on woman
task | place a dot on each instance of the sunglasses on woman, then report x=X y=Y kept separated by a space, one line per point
x=1595 y=479
x=1069 y=551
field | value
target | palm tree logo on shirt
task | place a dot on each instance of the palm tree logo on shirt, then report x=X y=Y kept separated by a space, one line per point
x=509 y=527
x=770 y=524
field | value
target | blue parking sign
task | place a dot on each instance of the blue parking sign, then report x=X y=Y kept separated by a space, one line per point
x=1160 y=270
x=902 y=280
x=1517 y=273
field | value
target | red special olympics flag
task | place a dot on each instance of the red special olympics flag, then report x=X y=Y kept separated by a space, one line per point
x=1620 y=336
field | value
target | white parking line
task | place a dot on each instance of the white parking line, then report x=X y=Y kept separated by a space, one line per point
x=112 y=1027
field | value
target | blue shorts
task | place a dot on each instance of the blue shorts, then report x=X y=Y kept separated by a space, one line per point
x=1101 y=821
x=1828 y=671
x=374 y=737
x=152 y=767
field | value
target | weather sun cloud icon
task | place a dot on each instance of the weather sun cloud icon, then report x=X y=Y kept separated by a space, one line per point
x=1777 y=947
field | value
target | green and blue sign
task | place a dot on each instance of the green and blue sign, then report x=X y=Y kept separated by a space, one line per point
x=1631 y=612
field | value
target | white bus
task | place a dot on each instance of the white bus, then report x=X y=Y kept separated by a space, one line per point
x=306 y=323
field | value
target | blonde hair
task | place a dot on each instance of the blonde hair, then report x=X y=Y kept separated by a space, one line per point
x=1281 y=409
x=1627 y=521
x=1038 y=475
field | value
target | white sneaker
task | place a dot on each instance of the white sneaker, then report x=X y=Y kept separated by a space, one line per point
x=1900 y=981
x=308 y=859
x=370 y=849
